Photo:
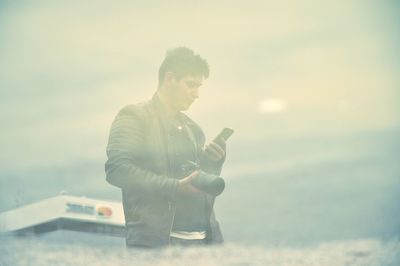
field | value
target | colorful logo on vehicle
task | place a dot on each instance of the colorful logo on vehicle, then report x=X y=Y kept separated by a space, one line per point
x=104 y=211
x=79 y=208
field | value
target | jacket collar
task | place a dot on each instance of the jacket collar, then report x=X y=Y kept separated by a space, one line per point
x=162 y=109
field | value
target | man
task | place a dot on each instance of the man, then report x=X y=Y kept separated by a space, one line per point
x=149 y=152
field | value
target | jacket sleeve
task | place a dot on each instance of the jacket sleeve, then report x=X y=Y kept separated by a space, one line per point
x=125 y=145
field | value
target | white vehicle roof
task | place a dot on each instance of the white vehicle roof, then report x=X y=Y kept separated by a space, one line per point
x=65 y=208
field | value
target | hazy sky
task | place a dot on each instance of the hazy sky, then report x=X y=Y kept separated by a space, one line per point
x=278 y=69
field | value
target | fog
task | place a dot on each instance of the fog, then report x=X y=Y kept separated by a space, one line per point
x=310 y=87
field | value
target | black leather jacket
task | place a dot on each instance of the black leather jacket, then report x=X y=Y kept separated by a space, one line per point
x=140 y=162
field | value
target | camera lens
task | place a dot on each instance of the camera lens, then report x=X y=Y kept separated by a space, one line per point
x=211 y=184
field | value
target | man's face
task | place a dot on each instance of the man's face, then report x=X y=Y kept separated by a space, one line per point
x=185 y=91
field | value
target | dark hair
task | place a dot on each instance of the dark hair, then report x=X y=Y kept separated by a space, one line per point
x=182 y=61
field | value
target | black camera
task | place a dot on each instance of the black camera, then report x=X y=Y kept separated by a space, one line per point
x=209 y=183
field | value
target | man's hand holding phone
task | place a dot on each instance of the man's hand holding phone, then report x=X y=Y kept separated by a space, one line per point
x=215 y=150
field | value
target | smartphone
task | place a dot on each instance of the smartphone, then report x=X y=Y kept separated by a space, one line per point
x=224 y=134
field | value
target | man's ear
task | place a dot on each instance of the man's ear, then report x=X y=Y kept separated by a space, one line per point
x=169 y=78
